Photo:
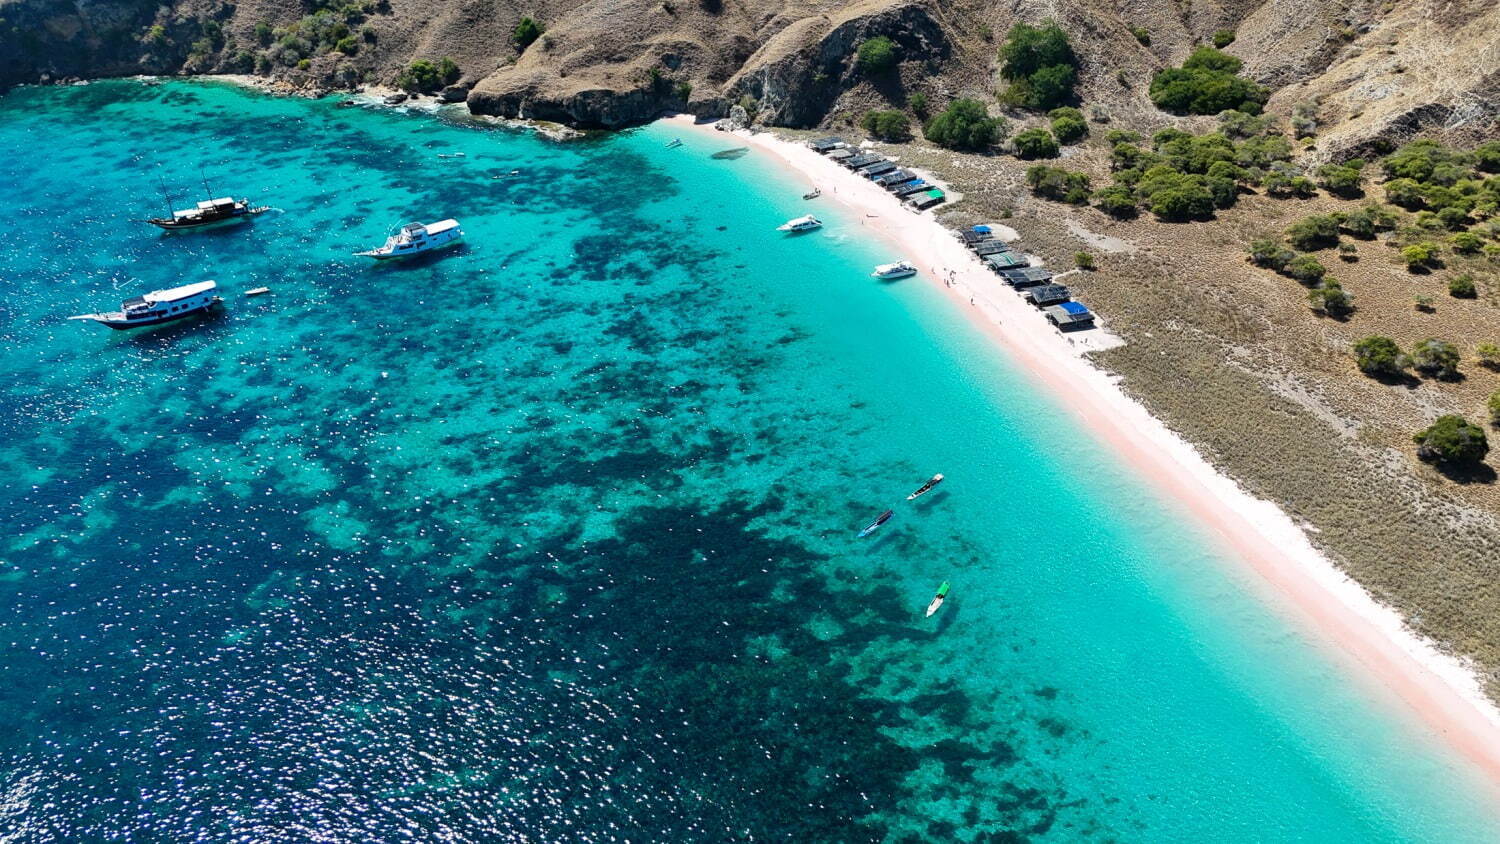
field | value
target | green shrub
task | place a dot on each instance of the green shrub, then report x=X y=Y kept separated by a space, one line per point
x=965 y=125
x=1380 y=356
x=1238 y=124
x=1454 y=218
x=1142 y=35
x=1306 y=269
x=1438 y=358
x=421 y=75
x=876 y=55
x=1175 y=196
x=1067 y=124
x=1420 y=256
x=527 y=31
x=890 y=125
x=1318 y=231
x=1270 y=254
x=1425 y=161
x=1057 y=183
x=1452 y=439
x=1040 y=64
x=1466 y=243
x=1206 y=84
x=684 y=90
x=348 y=45
x=1493 y=406
x=1223 y=38
x=1462 y=287
x=1035 y=143
x=1487 y=156
x=263 y=33
x=1488 y=354
x=918 y=104
x=1121 y=136
x=1405 y=193
x=1331 y=299
x=1340 y=179
x=1083 y=260
x=1116 y=201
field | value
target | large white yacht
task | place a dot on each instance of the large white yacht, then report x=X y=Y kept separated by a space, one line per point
x=801 y=224
x=160 y=306
x=900 y=269
x=416 y=238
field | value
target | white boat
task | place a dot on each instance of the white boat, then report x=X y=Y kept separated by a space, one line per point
x=258 y=291
x=801 y=224
x=416 y=238
x=900 y=269
x=159 y=306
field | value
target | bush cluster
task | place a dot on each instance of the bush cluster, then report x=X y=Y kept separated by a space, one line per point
x=1068 y=124
x=1184 y=176
x=1425 y=175
x=1381 y=357
x=527 y=31
x=1040 y=65
x=1437 y=358
x=1059 y=184
x=1207 y=83
x=1035 y=143
x=876 y=55
x=1453 y=440
x=424 y=76
x=965 y=125
x=890 y=125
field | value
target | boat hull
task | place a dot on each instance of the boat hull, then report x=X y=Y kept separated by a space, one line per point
x=196 y=227
x=124 y=325
x=396 y=256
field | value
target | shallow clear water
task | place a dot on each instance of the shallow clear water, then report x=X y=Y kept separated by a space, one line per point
x=552 y=537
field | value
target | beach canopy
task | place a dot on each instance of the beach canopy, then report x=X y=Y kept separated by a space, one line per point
x=1074 y=308
x=982 y=229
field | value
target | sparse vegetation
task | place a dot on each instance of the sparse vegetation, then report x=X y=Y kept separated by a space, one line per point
x=1318 y=231
x=918 y=104
x=1488 y=355
x=1420 y=257
x=1342 y=179
x=965 y=125
x=1306 y=269
x=876 y=55
x=1142 y=35
x=1223 y=38
x=1116 y=200
x=1462 y=287
x=1083 y=260
x=890 y=125
x=1040 y=65
x=1453 y=440
x=1035 y=143
x=1207 y=83
x=1330 y=298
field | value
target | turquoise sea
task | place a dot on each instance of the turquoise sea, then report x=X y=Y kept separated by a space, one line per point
x=551 y=538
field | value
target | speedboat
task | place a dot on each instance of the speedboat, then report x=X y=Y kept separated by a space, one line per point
x=416 y=238
x=676 y=142
x=210 y=212
x=900 y=269
x=927 y=487
x=875 y=525
x=159 y=306
x=801 y=224
x=937 y=600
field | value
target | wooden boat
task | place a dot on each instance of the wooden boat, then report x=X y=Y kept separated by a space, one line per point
x=937 y=600
x=927 y=487
x=159 y=306
x=875 y=525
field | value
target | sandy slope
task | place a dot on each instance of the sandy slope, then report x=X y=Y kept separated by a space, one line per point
x=1441 y=691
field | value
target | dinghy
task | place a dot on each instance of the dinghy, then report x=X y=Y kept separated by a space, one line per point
x=875 y=525
x=927 y=487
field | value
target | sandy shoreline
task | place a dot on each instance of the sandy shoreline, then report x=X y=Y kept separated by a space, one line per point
x=1441 y=690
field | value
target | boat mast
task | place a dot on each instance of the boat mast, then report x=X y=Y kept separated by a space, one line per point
x=165 y=197
x=207 y=191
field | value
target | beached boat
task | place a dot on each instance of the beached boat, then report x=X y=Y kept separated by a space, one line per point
x=416 y=238
x=801 y=224
x=938 y=599
x=210 y=212
x=813 y=194
x=875 y=525
x=927 y=487
x=900 y=269
x=159 y=306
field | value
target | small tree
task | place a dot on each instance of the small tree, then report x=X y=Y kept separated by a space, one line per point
x=1462 y=287
x=1116 y=201
x=965 y=125
x=1419 y=257
x=918 y=104
x=1331 y=299
x=1084 y=261
x=1270 y=254
x=890 y=125
x=1493 y=405
x=1318 y=231
x=876 y=55
x=1466 y=243
x=1452 y=439
x=1035 y=143
x=527 y=31
x=1340 y=179
x=1380 y=356
x=1437 y=358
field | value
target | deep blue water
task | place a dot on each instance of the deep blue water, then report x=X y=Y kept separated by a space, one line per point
x=551 y=537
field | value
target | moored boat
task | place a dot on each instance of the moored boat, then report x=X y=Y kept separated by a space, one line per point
x=159 y=306
x=416 y=238
x=210 y=212
x=927 y=487
x=875 y=525
x=900 y=269
x=801 y=224
x=813 y=194
x=937 y=600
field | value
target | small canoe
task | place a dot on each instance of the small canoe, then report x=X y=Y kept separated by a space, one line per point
x=875 y=525
x=257 y=291
x=937 y=600
x=927 y=487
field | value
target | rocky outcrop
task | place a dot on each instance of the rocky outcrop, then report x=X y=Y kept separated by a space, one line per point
x=589 y=108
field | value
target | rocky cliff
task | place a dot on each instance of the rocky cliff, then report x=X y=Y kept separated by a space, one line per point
x=1363 y=68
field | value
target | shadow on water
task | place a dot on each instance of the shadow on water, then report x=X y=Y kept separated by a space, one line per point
x=211 y=324
x=931 y=500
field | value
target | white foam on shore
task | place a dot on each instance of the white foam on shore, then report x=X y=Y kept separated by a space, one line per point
x=1442 y=690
